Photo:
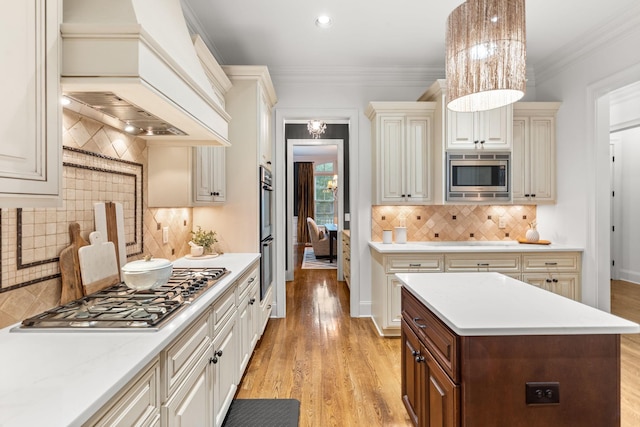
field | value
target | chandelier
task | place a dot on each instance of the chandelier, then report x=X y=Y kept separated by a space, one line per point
x=486 y=54
x=316 y=128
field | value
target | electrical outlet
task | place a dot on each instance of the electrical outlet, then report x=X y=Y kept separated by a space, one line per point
x=502 y=223
x=539 y=393
x=165 y=235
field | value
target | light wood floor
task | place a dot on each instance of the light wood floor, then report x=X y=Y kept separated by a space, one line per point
x=344 y=374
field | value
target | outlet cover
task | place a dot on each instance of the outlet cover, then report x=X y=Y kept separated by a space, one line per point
x=165 y=234
x=502 y=223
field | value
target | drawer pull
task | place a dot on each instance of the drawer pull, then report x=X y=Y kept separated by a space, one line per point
x=251 y=280
x=484 y=264
x=551 y=263
x=419 y=325
x=415 y=265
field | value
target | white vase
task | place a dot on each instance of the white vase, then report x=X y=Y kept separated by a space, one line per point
x=532 y=235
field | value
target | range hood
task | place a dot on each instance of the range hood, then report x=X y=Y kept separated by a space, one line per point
x=133 y=62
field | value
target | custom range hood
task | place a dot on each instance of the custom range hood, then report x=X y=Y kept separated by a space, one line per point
x=132 y=63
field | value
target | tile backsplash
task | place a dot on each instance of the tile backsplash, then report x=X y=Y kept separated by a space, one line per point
x=453 y=222
x=101 y=164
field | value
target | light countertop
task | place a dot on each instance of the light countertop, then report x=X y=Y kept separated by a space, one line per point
x=63 y=378
x=468 y=246
x=489 y=304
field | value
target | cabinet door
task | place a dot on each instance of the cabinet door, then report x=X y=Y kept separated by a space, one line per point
x=542 y=159
x=192 y=402
x=391 y=154
x=225 y=372
x=209 y=174
x=520 y=174
x=248 y=325
x=565 y=284
x=442 y=396
x=460 y=130
x=493 y=128
x=30 y=130
x=394 y=303
x=418 y=160
x=412 y=374
x=264 y=133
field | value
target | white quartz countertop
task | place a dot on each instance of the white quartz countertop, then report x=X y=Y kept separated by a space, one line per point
x=489 y=304
x=63 y=378
x=468 y=246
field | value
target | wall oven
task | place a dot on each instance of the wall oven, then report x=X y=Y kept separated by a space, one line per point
x=266 y=238
x=478 y=177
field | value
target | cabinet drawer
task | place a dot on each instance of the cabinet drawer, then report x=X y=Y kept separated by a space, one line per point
x=245 y=282
x=223 y=308
x=180 y=357
x=139 y=405
x=441 y=342
x=507 y=263
x=413 y=264
x=556 y=261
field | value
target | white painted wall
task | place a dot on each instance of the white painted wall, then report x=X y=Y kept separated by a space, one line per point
x=581 y=216
x=628 y=191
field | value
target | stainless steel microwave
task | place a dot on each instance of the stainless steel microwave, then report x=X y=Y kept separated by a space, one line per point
x=478 y=177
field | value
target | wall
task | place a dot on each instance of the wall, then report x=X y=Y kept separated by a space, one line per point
x=31 y=239
x=608 y=59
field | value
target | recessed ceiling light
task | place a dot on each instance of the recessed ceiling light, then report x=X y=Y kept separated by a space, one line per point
x=130 y=128
x=324 y=21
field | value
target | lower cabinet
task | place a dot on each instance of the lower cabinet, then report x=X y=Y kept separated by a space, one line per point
x=194 y=379
x=557 y=272
x=346 y=257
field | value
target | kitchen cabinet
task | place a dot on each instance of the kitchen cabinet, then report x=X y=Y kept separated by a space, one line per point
x=209 y=175
x=137 y=405
x=467 y=354
x=248 y=306
x=225 y=375
x=186 y=176
x=31 y=142
x=249 y=102
x=488 y=130
x=266 y=306
x=557 y=272
x=402 y=136
x=346 y=256
x=534 y=152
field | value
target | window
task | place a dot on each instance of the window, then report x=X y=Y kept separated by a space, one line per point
x=324 y=197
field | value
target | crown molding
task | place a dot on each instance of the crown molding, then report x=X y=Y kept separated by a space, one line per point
x=623 y=24
x=362 y=76
x=195 y=27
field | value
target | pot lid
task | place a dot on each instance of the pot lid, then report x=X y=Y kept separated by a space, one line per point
x=147 y=264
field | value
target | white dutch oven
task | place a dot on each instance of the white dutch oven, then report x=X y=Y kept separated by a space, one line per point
x=147 y=274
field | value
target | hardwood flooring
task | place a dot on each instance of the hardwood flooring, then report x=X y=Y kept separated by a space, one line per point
x=345 y=374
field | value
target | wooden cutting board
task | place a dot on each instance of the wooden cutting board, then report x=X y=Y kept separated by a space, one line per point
x=70 y=266
x=98 y=266
x=109 y=219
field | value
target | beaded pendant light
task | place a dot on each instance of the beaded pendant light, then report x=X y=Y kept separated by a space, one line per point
x=486 y=54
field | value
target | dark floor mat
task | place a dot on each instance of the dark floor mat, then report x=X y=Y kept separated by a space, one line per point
x=263 y=413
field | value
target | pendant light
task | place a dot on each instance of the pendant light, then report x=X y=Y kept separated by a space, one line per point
x=486 y=54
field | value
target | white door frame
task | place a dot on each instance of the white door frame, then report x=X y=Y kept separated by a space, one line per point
x=292 y=115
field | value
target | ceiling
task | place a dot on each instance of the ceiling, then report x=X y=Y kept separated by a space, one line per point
x=375 y=33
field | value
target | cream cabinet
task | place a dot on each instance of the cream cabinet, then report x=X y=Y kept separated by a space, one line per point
x=248 y=306
x=557 y=272
x=31 y=128
x=209 y=175
x=264 y=118
x=402 y=134
x=346 y=257
x=534 y=152
x=488 y=130
x=137 y=405
x=225 y=371
x=264 y=312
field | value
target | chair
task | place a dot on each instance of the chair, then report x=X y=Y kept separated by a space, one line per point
x=319 y=240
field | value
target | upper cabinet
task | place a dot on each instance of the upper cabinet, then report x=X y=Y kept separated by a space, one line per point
x=30 y=129
x=534 y=152
x=489 y=130
x=209 y=175
x=402 y=134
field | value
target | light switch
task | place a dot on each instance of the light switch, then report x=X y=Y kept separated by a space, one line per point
x=165 y=234
x=502 y=223
x=347 y=217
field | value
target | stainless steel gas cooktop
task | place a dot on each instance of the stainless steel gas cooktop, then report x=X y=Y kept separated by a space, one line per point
x=119 y=307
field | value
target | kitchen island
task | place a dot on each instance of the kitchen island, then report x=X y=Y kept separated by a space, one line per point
x=52 y=378
x=484 y=349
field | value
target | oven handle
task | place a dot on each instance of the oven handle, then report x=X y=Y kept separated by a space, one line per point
x=267 y=187
x=266 y=242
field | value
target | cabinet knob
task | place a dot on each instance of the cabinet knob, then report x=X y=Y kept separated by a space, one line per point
x=476 y=141
x=533 y=195
x=402 y=195
x=527 y=195
x=482 y=142
x=213 y=360
x=252 y=301
x=554 y=280
x=419 y=359
x=408 y=195
x=548 y=280
x=269 y=162
x=218 y=353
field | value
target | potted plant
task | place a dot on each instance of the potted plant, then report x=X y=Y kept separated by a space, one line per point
x=203 y=238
